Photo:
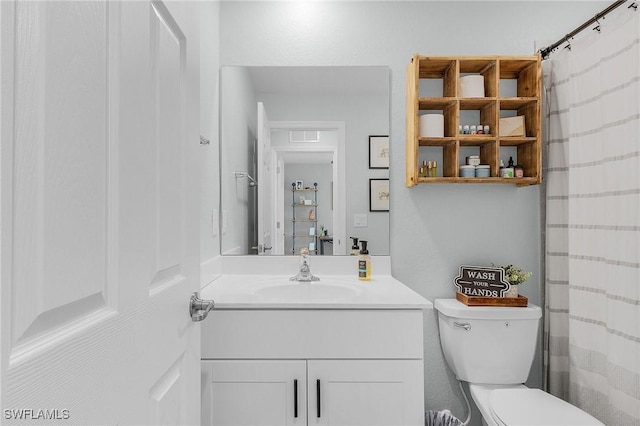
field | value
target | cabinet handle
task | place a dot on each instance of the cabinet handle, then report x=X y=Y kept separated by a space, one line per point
x=295 y=398
x=318 y=397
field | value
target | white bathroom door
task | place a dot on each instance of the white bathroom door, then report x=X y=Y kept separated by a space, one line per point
x=265 y=190
x=98 y=212
x=278 y=241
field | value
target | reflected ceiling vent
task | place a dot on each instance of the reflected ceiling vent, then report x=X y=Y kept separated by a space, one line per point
x=304 y=136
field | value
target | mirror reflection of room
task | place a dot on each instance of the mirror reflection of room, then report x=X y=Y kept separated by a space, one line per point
x=281 y=125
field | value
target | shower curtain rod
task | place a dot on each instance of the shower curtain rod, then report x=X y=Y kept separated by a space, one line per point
x=545 y=52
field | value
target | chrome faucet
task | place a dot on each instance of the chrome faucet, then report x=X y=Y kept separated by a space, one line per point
x=304 y=275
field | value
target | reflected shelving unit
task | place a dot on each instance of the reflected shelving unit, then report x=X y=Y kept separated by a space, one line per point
x=304 y=221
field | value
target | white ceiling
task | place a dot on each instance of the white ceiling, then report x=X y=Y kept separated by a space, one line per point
x=326 y=80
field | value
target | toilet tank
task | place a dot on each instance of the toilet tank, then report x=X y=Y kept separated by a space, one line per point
x=488 y=344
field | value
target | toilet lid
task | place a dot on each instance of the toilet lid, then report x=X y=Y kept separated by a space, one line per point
x=536 y=408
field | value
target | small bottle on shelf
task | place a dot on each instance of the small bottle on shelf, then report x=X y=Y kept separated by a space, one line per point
x=434 y=169
x=479 y=129
x=423 y=170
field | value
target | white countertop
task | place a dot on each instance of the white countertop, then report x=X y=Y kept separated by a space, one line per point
x=239 y=291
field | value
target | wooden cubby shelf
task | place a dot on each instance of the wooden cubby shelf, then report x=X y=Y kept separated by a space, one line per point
x=512 y=87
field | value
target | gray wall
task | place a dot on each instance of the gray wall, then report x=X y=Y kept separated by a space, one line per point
x=238 y=149
x=434 y=228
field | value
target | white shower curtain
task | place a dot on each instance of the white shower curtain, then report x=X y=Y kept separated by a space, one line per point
x=592 y=244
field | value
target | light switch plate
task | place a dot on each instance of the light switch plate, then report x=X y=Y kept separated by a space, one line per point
x=360 y=220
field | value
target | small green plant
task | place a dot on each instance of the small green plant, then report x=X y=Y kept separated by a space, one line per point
x=515 y=275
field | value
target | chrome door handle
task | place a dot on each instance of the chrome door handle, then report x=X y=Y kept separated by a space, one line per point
x=465 y=325
x=198 y=308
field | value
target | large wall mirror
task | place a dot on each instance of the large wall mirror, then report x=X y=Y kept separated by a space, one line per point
x=295 y=159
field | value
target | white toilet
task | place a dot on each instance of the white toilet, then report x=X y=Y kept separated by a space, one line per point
x=492 y=349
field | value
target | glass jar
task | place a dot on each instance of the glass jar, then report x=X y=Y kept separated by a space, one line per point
x=518 y=171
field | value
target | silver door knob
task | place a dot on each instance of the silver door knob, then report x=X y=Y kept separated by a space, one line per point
x=198 y=308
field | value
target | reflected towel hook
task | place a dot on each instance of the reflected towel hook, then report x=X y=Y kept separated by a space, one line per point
x=239 y=174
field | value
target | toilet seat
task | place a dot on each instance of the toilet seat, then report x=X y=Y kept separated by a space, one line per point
x=523 y=406
x=480 y=395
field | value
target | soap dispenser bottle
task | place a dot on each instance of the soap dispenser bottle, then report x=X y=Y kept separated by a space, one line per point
x=355 y=248
x=364 y=263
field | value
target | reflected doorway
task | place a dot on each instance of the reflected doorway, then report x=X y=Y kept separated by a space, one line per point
x=317 y=159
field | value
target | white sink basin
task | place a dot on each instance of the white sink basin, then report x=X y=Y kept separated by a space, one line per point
x=308 y=291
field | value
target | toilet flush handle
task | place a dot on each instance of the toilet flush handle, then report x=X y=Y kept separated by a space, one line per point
x=465 y=325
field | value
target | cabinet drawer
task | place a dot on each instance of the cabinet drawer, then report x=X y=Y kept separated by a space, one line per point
x=308 y=334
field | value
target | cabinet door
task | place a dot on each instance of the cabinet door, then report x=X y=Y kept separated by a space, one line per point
x=254 y=393
x=365 y=392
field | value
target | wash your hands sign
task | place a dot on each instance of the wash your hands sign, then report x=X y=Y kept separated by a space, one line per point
x=481 y=281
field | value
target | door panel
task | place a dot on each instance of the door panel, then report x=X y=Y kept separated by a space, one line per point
x=60 y=173
x=165 y=397
x=98 y=197
x=168 y=68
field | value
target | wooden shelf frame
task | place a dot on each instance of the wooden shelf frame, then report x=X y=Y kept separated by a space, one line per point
x=524 y=99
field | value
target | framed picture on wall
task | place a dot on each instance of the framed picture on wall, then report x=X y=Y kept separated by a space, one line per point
x=379 y=195
x=378 y=152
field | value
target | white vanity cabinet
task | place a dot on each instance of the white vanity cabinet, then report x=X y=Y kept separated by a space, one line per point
x=314 y=392
x=351 y=367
